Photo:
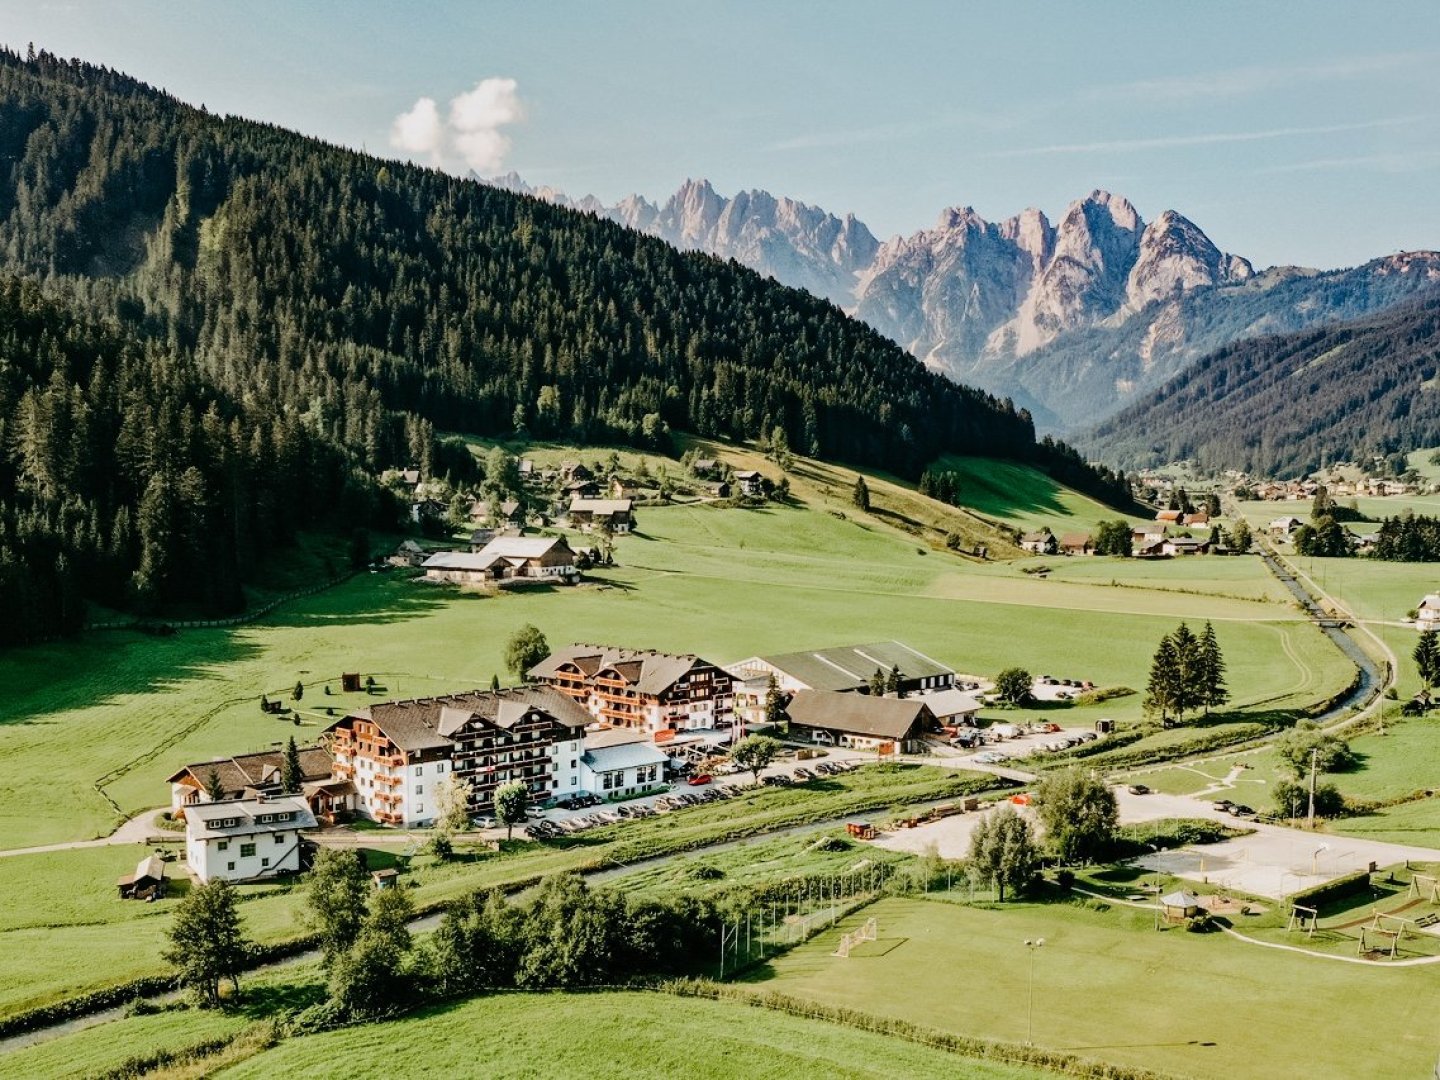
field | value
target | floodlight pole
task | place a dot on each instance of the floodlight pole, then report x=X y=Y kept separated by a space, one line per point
x=1314 y=754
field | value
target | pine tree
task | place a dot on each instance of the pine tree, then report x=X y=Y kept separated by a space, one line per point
x=1190 y=674
x=291 y=775
x=861 y=495
x=1163 y=692
x=1212 y=663
x=214 y=786
x=877 y=683
x=1427 y=658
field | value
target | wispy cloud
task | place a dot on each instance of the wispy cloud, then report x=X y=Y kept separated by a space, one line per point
x=471 y=135
x=1167 y=142
x=1258 y=79
x=1400 y=161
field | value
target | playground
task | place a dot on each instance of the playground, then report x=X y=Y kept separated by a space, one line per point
x=1106 y=986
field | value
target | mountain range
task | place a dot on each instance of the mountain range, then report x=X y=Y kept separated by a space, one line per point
x=1071 y=319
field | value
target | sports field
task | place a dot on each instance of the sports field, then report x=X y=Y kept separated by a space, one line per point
x=1107 y=986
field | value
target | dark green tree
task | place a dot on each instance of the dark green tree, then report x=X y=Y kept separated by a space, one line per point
x=1427 y=658
x=860 y=496
x=1079 y=813
x=511 y=801
x=755 y=753
x=526 y=648
x=292 y=776
x=1003 y=852
x=336 y=900
x=1013 y=685
x=207 y=942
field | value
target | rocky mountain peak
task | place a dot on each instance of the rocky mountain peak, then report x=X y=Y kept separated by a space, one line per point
x=1174 y=255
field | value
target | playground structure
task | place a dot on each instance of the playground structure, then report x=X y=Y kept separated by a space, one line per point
x=869 y=932
x=1303 y=918
x=1381 y=929
x=1425 y=887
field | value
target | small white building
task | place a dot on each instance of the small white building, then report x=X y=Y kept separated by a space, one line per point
x=627 y=768
x=1427 y=615
x=1282 y=527
x=247 y=839
x=953 y=707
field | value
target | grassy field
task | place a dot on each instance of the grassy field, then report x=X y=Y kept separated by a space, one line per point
x=1107 y=986
x=122 y=710
x=610 y=1034
x=88 y=938
x=1023 y=498
x=97 y=1050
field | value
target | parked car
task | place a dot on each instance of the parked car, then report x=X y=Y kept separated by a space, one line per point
x=1138 y=789
x=703 y=778
x=1241 y=810
x=1223 y=806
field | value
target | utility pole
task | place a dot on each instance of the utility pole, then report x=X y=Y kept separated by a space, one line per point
x=1314 y=753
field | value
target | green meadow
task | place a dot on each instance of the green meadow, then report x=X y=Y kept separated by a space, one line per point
x=1107 y=986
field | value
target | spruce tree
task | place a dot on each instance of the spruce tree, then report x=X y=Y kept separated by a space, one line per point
x=861 y=495
x=1427 y=658
x=1162 y=694
x=1212 y=662
x=291 y=775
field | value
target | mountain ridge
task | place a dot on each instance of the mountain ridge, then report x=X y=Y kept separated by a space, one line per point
x=998 y=304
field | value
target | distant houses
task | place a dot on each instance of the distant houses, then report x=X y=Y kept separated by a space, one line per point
x=1427 y=615
x=750 y=483
x=1077 y=544
x=1042 y=542
x=616 y=515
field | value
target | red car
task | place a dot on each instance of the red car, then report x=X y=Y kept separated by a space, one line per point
x=697 y=781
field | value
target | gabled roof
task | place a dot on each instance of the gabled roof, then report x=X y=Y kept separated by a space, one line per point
x=1044 y=536
x=460 y=560
x=849 y=667
x=204 y=821
x=951 y=703
x=1078 y=540
x=429 y=723
x=249 y=770
x=522 y=547
x=649 y=672
x=601 y=506
x=859 y=714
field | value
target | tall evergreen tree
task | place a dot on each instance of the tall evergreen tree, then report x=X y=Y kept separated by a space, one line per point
x=1427 y=658
x=1214 y=691
x=1164 y=692
x=292 y=777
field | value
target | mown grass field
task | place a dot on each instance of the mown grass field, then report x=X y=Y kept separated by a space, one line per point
x=610 y=1034
x=1023 y=498
x=100 y=1049
x=89 y=939
x=126 y=710
x=1107 y=986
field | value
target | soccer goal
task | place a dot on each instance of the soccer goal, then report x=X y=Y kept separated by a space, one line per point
x=1425 y=887
x=869 y=932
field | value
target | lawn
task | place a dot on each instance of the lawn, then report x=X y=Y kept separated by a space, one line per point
x=634 y=1035
x=88 y=939
x=1107 y=986
x=97 y=1050
x=122 y=710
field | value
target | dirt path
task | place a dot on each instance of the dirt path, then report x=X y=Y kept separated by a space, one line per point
x=136 y=830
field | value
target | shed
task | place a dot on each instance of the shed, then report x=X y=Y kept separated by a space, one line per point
x=385 y=879
x=147 y=882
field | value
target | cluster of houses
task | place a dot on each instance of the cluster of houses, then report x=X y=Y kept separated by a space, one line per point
x=1151 y=540
x=599 y=719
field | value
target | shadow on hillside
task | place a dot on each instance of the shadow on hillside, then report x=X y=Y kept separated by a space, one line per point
x=1026 y=491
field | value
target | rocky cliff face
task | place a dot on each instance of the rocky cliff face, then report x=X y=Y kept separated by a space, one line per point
x=991 y=303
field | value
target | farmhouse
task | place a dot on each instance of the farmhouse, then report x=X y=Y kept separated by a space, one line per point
x=626 y=768
x=1168 y=517
x=849 y=668
x=653 y=691
x=1427 y=615
x=398 y=753
x=1200 y=518
x=860 y=721
x=506 y=558
x=1282 y=527
x=1039 y=543
x=750 y=482
x=1076 y=544
x=244 y=777
x=409 y=553
x=246 y=840
x=1184 y=545
x=614 y=514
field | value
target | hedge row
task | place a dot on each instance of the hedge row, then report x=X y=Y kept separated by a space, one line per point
x=96 y=1001
x=1216 y=740
x=963 y=1045
x=1339 y=889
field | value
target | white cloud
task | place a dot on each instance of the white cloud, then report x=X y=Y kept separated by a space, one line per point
x=470 y=135
x=418 y=131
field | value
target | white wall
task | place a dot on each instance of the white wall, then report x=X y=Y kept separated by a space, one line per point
x=214 y=858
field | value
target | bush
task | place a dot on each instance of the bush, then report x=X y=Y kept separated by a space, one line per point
x=1201 y=923
x=1065 y=880
x=1166 y=833
x=1339 y=889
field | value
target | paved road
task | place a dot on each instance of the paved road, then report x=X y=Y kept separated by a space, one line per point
x=136 y=830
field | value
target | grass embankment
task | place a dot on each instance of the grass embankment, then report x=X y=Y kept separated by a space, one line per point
x=89 y=939
x=1108 y=986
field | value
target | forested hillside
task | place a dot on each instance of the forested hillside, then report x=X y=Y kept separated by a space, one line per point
x=1280 y=405
x=332 y=307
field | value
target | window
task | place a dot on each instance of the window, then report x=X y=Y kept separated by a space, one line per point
x=419 y=789
x=264 y=862
x=419 y=809
x=230 y=866
x=247 y=851
x=228 y=823
x=224 y=845
x=419 y=769
x=279 y=837
x=439 y=768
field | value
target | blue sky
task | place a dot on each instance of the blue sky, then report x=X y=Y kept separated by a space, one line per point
x=1291 y=132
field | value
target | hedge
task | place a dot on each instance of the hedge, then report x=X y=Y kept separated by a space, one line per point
x=1339 y=889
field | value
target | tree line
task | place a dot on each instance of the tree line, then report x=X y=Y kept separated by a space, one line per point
x=270 y=320
x=1187 y=673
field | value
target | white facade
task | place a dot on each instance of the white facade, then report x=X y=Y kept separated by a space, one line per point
x=247 y=839
x=408 y=790
x=1427 y=616
x=566 y=765
x=623 y=769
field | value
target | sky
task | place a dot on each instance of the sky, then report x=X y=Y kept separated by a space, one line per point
x=1303 y=132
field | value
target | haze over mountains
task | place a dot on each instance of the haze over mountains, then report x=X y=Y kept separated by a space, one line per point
x=1072 y=319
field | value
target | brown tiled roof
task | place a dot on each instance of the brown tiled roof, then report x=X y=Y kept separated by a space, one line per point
x=248 y=770
x=860 y=714
x=647 y=671
x=429 y=723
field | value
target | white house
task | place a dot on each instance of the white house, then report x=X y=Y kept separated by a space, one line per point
x=628 y=768
x=1282 y=527
x=247 y=839
x=1427 y=615
x=953 y=707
